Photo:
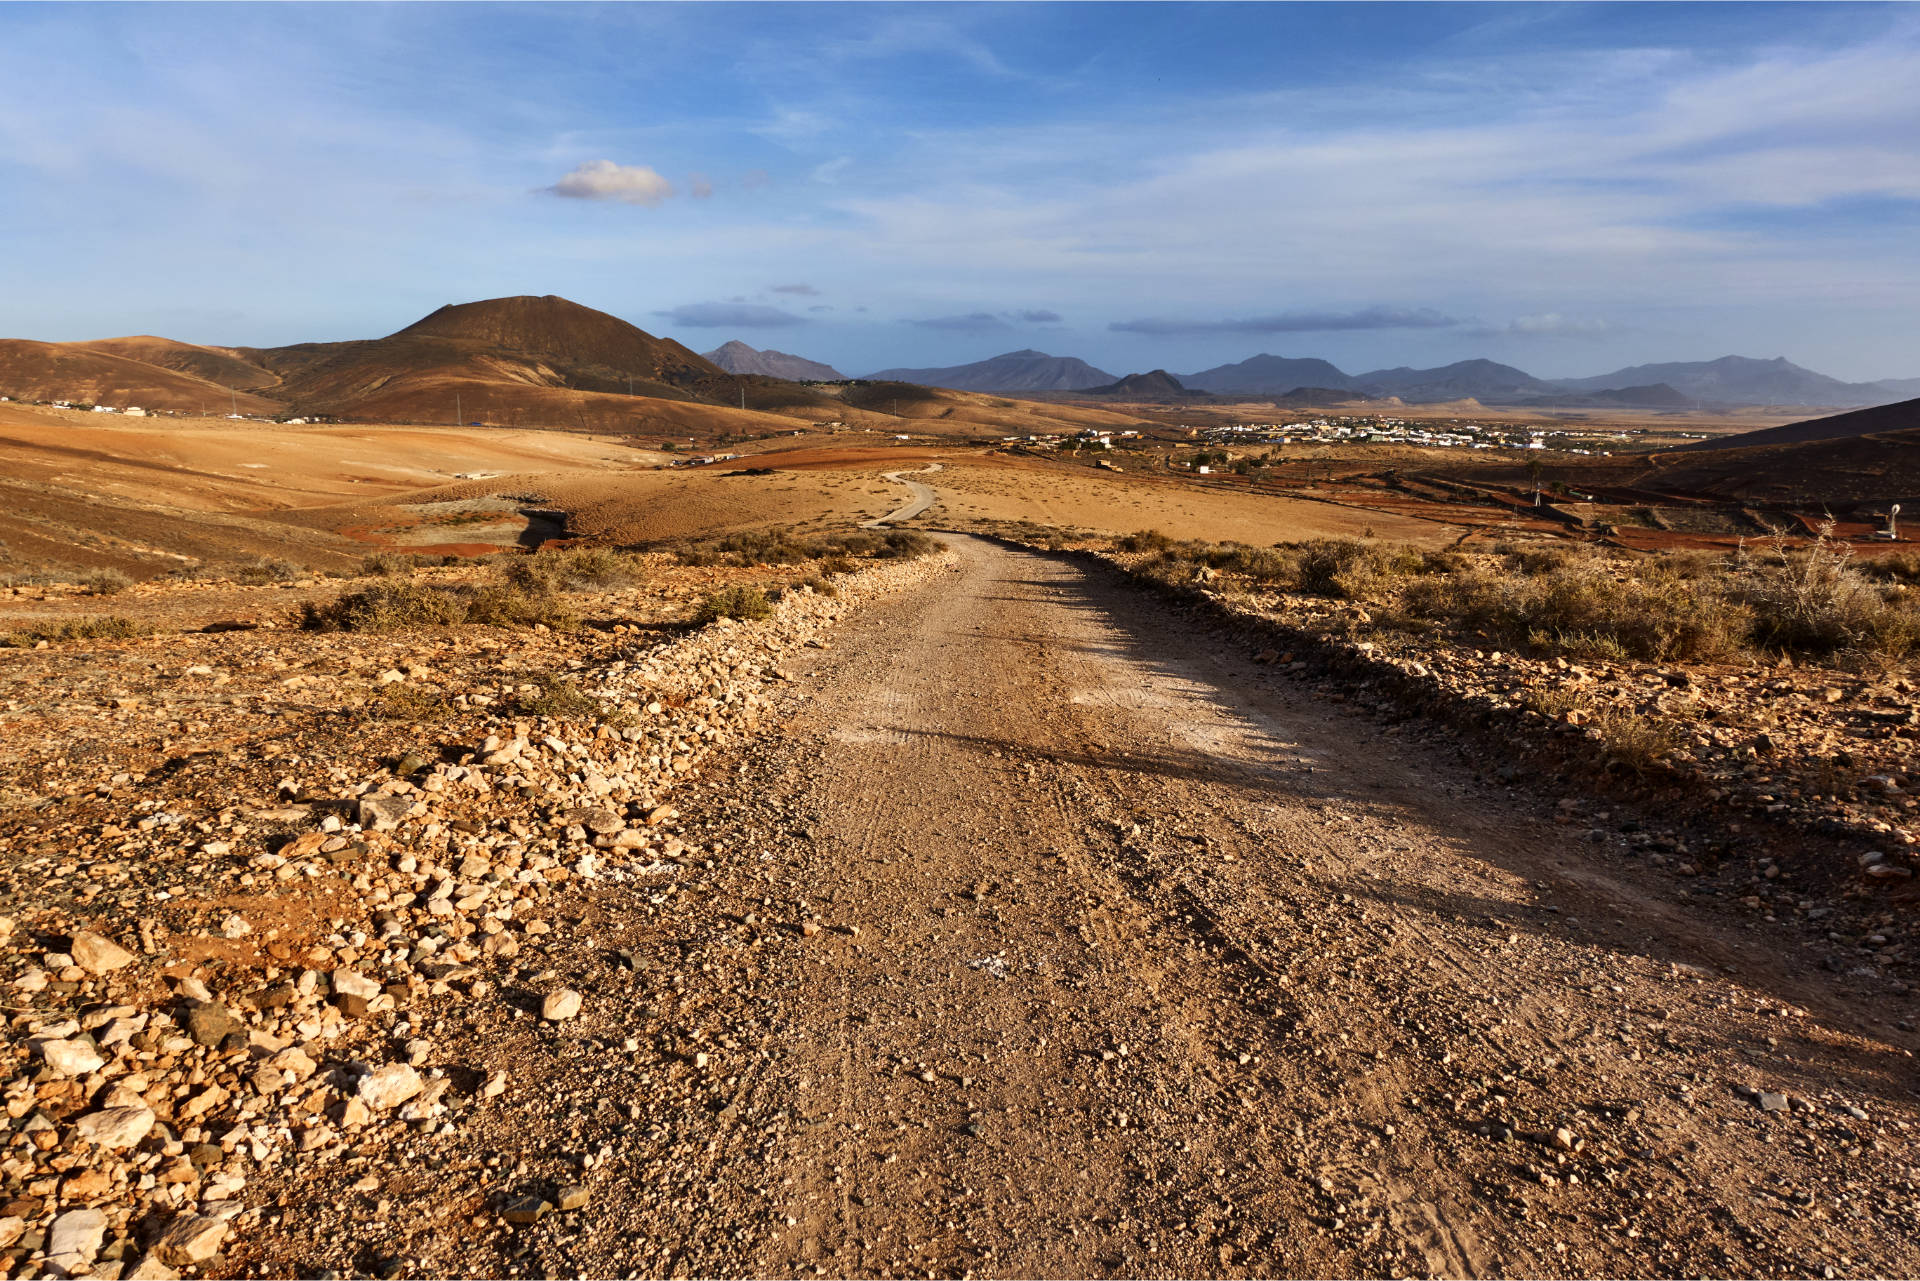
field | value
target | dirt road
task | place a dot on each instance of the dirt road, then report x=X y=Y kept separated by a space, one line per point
x=922 y=498
x=1138 y=959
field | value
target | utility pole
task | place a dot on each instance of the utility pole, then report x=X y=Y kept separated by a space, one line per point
x=458 y=417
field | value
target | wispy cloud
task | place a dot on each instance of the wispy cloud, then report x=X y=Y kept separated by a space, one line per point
x=1040 y=317
x=1294 y=322
x=1549 y=324
x=974 y=322
x=730 y=315
x=605 y=180
x=699 y=186
x=798 y=291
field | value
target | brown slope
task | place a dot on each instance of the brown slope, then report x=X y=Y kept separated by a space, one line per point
x=1861 y=469
x=214 y=364
x=78 y=371
x=1902 y=416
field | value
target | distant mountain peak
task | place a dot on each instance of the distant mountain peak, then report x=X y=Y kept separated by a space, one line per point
x=1025 y=370
x=737 y=357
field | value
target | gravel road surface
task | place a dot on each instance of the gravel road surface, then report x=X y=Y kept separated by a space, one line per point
x=1051 y=937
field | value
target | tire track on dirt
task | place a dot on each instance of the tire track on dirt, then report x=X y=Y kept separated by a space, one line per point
x=1166 y=966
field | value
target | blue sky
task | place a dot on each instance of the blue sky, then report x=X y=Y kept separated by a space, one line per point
x=1568 y=188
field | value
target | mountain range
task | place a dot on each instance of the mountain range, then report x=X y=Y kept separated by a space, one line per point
x=545 y=360
x=1730 y=380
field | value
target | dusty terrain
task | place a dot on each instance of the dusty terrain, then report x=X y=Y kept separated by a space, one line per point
x=160 y=497
x=1008 y=924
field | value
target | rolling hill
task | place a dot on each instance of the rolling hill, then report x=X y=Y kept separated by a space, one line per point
x=92 y=373
x=1027 y=370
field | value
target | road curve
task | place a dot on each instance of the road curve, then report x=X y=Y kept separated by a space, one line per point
x=921 y=499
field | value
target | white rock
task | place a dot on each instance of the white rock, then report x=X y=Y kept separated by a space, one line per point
x=389 y=1086
x=98 y=955
x=74 y=1240
x=353 y=983
x=71 y=1058
x=115 y=1128
x=294 y=1062
x=560 y=1005
x=190 y=1239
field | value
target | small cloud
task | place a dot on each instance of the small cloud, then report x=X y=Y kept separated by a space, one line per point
x=799 y=291
x=1551 y=324
x=977 y=322
x=604 y=180
x=754 y=179
x=820 y=307
x=1041 y=317
x=829 y=172
x=730 y=315
x=699 y=186
x=1295 y=322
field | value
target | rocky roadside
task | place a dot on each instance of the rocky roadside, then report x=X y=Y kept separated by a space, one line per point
x=1787 y=792
x=248 y=961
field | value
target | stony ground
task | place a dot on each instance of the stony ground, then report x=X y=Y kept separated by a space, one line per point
x=989 y=918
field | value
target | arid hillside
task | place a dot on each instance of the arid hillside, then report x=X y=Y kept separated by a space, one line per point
x=506 y=362
x=103 y=373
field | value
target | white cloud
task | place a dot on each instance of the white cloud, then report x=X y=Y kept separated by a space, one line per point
x=1551 y=324
x=605 y=180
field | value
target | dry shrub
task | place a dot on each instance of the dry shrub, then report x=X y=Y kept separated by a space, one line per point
x=405 y=701
x=105 y=582
x=387 y=565
x=1816 y=601
x=511 y=605
x=1144 y=540
x=571 y=569
x=93 y=627
x=1584 y=606
x=559 y=697
x=734 y=602
x=267 y=570
x=386 y=607
x=1636 y=741
x=402 y=606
